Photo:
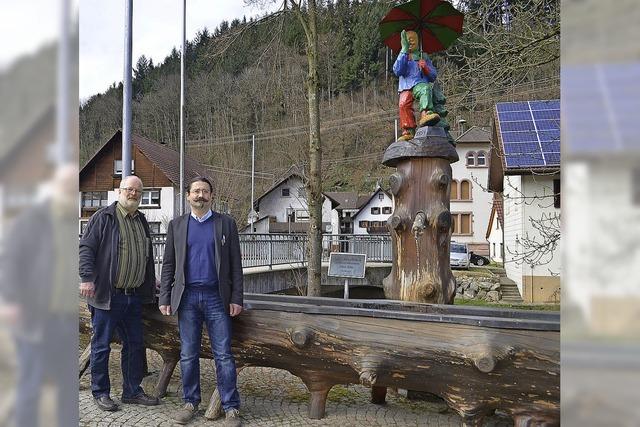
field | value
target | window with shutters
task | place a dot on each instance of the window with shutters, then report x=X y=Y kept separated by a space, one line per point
x=465 y=190
x=462 y=223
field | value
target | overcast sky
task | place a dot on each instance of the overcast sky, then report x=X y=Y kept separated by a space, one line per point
x=156 y=30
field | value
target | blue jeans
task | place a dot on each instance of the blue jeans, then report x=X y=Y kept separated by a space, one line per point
x=198 y=306
x=125 y=317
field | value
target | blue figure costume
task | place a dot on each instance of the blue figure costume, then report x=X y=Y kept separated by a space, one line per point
x=417 y=75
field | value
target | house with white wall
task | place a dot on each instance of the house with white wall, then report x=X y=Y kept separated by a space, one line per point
x=372 y=216
x=157 y=165
x=348 y=203
x=283 y=208
x=524 y=167
x=495 y=230
x=470 y=200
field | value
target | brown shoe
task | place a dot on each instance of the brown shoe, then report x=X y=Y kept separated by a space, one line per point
x=186 y=414
x=429 y=118
x=407 y=135
x=232 y=418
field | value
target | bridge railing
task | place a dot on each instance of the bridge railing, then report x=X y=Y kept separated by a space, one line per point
x=276 y=249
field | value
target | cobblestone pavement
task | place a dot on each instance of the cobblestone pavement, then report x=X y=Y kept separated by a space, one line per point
x=270 y=397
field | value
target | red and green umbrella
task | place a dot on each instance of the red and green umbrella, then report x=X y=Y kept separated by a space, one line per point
x=437 y=23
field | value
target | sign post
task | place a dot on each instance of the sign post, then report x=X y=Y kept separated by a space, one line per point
x=347 y=266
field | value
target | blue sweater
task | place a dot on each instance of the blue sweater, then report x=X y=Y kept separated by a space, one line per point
x=200 y=264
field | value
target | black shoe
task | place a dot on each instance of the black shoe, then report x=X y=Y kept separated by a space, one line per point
x=142 y=399
x=106 y=404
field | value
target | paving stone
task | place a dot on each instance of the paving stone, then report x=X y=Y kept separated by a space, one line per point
x=270 y=398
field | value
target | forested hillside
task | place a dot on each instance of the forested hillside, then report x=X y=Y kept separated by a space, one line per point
x=248 y=76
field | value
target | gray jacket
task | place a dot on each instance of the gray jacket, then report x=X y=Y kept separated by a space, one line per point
x=99 y=258
x=228 y=261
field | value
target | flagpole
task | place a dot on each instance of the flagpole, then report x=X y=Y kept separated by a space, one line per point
x=182 y=89
x=126 y=90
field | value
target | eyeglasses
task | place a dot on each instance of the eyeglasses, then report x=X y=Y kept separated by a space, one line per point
x=131 y=190
x=199 y=191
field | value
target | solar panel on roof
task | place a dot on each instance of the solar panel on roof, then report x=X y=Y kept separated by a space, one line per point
x=546 y=114
x=530 y=133
x=512 y=106
x=529 y=136
x=552 y=104
x=512 y=116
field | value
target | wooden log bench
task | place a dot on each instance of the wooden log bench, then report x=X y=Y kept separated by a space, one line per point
x=477 y=359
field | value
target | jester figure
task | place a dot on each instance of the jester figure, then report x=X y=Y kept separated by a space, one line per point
x=417 y=76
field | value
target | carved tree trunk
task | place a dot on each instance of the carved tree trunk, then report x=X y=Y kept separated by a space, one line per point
x=477 y=359
x=421 y=223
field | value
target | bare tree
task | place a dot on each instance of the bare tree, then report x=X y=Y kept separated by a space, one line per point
x=306 y=12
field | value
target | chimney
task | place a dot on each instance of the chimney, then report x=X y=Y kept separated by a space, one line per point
x=462 y=126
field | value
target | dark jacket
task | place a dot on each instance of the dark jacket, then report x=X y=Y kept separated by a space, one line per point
x=99 y=258
x=228 y=261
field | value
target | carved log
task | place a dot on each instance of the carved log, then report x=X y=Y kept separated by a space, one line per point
x=477 y=359
x=84 y=360
x=421 y=223
x=378 y=395
x=214 y=410
x=168 y=366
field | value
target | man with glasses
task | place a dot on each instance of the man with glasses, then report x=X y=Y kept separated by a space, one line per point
x=202 y=282
x=117 y=275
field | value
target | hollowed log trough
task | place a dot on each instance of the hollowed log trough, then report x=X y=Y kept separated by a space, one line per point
x=477 y=359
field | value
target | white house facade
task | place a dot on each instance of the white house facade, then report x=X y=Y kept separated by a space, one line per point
x=495 y=231
x=470 y=201
x=524 y=168
x=283 y=209
x=372 y=216
x=531 y=221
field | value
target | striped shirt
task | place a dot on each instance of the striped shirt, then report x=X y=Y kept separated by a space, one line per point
x=133 y=249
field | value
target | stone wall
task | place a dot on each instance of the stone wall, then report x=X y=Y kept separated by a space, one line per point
x=477 y=287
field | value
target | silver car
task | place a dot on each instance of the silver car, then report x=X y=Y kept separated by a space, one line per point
x=459 y=255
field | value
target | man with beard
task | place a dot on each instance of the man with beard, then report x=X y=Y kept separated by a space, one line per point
x=117 y=274
x=202 y=282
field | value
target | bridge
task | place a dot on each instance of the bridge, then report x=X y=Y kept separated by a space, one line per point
x=277 y=262
x=269 y=250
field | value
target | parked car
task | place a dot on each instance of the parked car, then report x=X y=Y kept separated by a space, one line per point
x=479 y=259
x=459 y=255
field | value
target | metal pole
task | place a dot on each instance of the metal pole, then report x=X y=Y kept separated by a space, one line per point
x=386 y=64
x=62 y=150
x=346 y=288
x=395 y=126
x=126 y=90
x=182 y=88
x=253 y=174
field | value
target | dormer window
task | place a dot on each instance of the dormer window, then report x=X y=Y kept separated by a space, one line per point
x=471 y=158
x=481 y=158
